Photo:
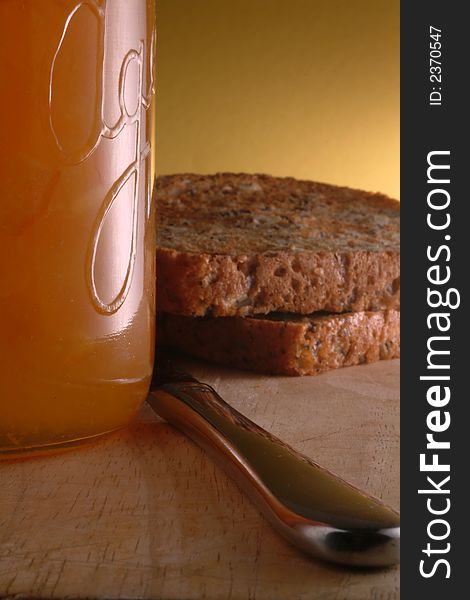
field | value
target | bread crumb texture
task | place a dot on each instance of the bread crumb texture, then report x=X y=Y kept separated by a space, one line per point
x=286 y=344
x=241 y=244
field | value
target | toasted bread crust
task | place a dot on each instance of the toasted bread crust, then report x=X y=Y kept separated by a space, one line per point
x=289 y=345
x=238 y=245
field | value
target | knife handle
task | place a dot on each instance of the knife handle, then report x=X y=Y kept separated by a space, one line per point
x=307 y=504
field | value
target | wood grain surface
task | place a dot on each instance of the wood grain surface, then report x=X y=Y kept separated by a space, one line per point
x=143 y=514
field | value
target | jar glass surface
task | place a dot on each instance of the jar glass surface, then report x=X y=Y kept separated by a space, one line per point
x=77 y=233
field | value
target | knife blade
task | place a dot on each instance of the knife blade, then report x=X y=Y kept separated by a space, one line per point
x=308 y=505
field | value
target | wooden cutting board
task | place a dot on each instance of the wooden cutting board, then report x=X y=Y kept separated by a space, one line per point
x=144 y=514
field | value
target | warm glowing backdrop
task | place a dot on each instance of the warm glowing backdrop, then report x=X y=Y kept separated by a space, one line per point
x=308 y=88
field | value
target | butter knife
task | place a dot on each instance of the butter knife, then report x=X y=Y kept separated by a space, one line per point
x=311 y=507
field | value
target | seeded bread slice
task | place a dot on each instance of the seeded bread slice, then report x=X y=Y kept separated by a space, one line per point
x=237 y=244
x=286 y=344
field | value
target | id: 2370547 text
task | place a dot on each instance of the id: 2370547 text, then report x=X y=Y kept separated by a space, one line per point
x=435 y=66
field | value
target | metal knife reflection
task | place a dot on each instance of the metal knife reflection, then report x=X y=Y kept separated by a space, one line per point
x=314 y=509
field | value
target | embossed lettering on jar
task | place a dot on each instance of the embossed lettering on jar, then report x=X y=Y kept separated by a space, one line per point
x=76 y=227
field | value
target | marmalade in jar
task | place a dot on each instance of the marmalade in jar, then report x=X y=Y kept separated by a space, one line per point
x=77 y=245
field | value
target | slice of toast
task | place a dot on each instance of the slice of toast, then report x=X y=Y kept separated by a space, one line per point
x=238 y=245
x=286 y=344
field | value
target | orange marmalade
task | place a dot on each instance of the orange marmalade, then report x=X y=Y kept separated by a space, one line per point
x=77 y=280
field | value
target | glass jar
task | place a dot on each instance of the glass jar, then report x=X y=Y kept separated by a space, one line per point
x=77 y=238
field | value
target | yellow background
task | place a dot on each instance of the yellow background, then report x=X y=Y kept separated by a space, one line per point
x=308 y=88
